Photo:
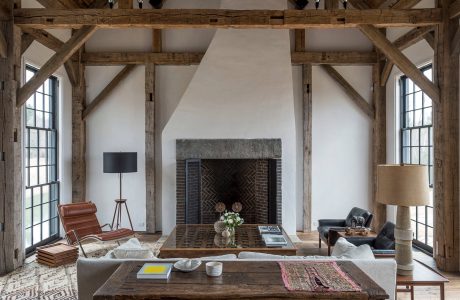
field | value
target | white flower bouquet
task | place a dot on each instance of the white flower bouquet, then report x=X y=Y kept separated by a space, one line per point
x=231 y=220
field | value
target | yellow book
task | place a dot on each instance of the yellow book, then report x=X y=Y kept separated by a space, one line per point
x=155 y=271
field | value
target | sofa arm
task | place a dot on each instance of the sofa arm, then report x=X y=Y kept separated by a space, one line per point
x=331 y=222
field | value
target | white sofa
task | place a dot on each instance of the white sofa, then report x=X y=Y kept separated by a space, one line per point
x=94 y=272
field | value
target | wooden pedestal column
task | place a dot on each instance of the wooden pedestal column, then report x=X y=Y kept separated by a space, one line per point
x=446 y=130
x=11 y=246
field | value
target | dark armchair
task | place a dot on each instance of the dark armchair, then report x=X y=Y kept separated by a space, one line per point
x=382 y=245
x=325 y=225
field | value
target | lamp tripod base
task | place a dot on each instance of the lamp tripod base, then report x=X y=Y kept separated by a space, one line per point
x=117 y=213
x=403 y=241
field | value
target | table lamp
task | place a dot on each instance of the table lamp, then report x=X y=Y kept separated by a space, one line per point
x=120 y=162
x=404 y=186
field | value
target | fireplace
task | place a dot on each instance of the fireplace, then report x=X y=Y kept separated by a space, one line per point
x=228 y=171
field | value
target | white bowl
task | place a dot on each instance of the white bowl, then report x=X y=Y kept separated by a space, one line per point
x=214 y=268
x=187 y=265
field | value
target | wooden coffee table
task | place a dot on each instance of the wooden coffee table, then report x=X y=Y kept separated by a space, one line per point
x=240 y=280
x=422 y=276
x=193 y=241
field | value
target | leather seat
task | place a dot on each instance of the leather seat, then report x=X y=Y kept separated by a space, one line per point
x=324 y=225
x=80 y=223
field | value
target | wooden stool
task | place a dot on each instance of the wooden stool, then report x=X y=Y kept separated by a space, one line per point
x=117 y=213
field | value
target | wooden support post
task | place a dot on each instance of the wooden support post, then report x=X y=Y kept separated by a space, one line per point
x=3 y=46
x=307 y=144
x=59 y=58
x=350 y=91
x=401 y=61
x=446 y=149
x=79 y=136
x=11 y=237
x=378 y=141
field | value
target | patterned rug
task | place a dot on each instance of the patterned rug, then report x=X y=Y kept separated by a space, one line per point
x=36 y=281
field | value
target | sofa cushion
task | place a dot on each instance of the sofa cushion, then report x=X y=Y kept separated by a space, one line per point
x=345 y=250
x=220 y=257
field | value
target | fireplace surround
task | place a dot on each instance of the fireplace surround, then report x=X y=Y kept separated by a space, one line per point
x=228 y=170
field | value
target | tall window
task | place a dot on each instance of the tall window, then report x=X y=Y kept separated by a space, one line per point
x=41 y=164
x=417 y=148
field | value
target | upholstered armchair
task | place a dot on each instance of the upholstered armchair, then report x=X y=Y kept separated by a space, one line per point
x=382 y=245
x=325 y=225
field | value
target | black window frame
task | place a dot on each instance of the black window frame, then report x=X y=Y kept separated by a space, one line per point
x=424 y=246
x=51 y=148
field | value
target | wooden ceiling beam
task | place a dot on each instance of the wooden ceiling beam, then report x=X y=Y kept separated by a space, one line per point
x=45 y=38
x=429 y=38
x=59 y=58
x=405 y=4
x=223 y=18
x=454 y=9
x=350 y=91
x=402 y=62
x=165 y=58
x=107 y=90
x=359 y=4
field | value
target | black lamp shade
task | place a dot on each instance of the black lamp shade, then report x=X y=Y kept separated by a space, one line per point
x=120 y=162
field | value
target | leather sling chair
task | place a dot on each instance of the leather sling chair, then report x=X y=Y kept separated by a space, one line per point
x=80 y=223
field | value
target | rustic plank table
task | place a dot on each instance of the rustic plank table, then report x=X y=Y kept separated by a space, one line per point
x=240 y=280
x=193 y=241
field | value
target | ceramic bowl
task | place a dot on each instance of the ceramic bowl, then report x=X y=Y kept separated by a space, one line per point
x=187 y=265
x=214 y=268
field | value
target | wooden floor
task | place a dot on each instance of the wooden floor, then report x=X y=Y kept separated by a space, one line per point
x=309 y=246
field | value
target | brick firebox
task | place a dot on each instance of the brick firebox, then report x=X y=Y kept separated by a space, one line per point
x=230 y=170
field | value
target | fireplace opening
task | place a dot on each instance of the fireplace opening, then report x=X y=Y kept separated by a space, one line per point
x=251 y=182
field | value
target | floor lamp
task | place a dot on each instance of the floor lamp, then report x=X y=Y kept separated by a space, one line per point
x=404 y=186
x=120 y=162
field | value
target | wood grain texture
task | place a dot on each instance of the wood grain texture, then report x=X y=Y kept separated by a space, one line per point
x=240 y=280
x=307 y=104
x=454 y=9
x=172 y=58
x=79 y=137
x=331 y=4
x=404 y=4
x=125 y=4
x=223 y=18
x=150 y=98
x=66 y=51
x=446 y=159
x=379 y=145
x=350 y=91
x=359 y=4
x=403 y=42
x=455 y=45
x=401 y=61
x=108 y=90
x=11 y=238
x=3 y=46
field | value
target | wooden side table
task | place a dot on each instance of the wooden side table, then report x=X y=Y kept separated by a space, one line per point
x=422 y=276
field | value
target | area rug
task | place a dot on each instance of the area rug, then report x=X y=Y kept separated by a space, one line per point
x=323 y=276
x=36 y=281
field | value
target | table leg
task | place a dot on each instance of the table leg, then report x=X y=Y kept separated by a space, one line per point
x=411 y=292
x=441 y=287
x=328 y=250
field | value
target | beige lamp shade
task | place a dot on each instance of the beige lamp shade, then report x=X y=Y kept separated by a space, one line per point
x=404 y=185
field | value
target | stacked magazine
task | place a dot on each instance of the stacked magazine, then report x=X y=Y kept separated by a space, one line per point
x=272 y=236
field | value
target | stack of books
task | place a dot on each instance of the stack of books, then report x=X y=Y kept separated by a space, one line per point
x=57 y=255
x=155 y=271
x=272 y=236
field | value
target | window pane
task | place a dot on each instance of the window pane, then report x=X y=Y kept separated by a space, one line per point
x=42 y=158
x=30 y=117
x=427 y=116
x=415 y=137
x=42 y=138
x=424 y=155
x=410 y=86
x=418 y=100
x=38 y=101
x=28 y=198
x=37 y=196
x=428 y=101
x=424 y=137
x=46 y=230
x=418 y=118
x=430 y=237
x=45 y=193
x=28 y=218
x=415 y=155
x=409 y=119
x=409 y=102
x=37 y=233
x=39 y=119
x=406 y=138
x=37 y=214
x=28 y=239
x=428 y=73
x=46 y=85
x=33 y=138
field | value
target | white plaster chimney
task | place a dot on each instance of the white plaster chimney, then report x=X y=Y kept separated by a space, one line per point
x=242 y=89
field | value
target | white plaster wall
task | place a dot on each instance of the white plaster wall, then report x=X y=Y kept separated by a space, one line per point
x=236 y=94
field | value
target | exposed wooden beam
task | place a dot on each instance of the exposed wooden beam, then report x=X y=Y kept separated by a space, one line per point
x=429 y=38
x=107 y=90
x=3 y=46
x=307 y=88
x=331 y=4
x=403 y=42
x=223 y=18
x=379 y=3
x=401 y=61
x=125 y=4
x=454 y=9
x=26 y=41
x=52 y=4
x=359 y=4
x=45 y=38
x=299 y=44
x=165 y=58
x=405 y=4
x=67 y=50
x=150 y=97
x=350 y=91
x=455 y=45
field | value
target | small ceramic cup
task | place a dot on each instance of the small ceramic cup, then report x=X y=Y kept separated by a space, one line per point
x=214 y=268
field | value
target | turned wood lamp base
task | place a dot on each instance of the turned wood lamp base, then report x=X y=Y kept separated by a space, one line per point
x=403 y=240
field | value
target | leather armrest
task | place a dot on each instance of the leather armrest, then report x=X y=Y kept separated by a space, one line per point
x=331 y=222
